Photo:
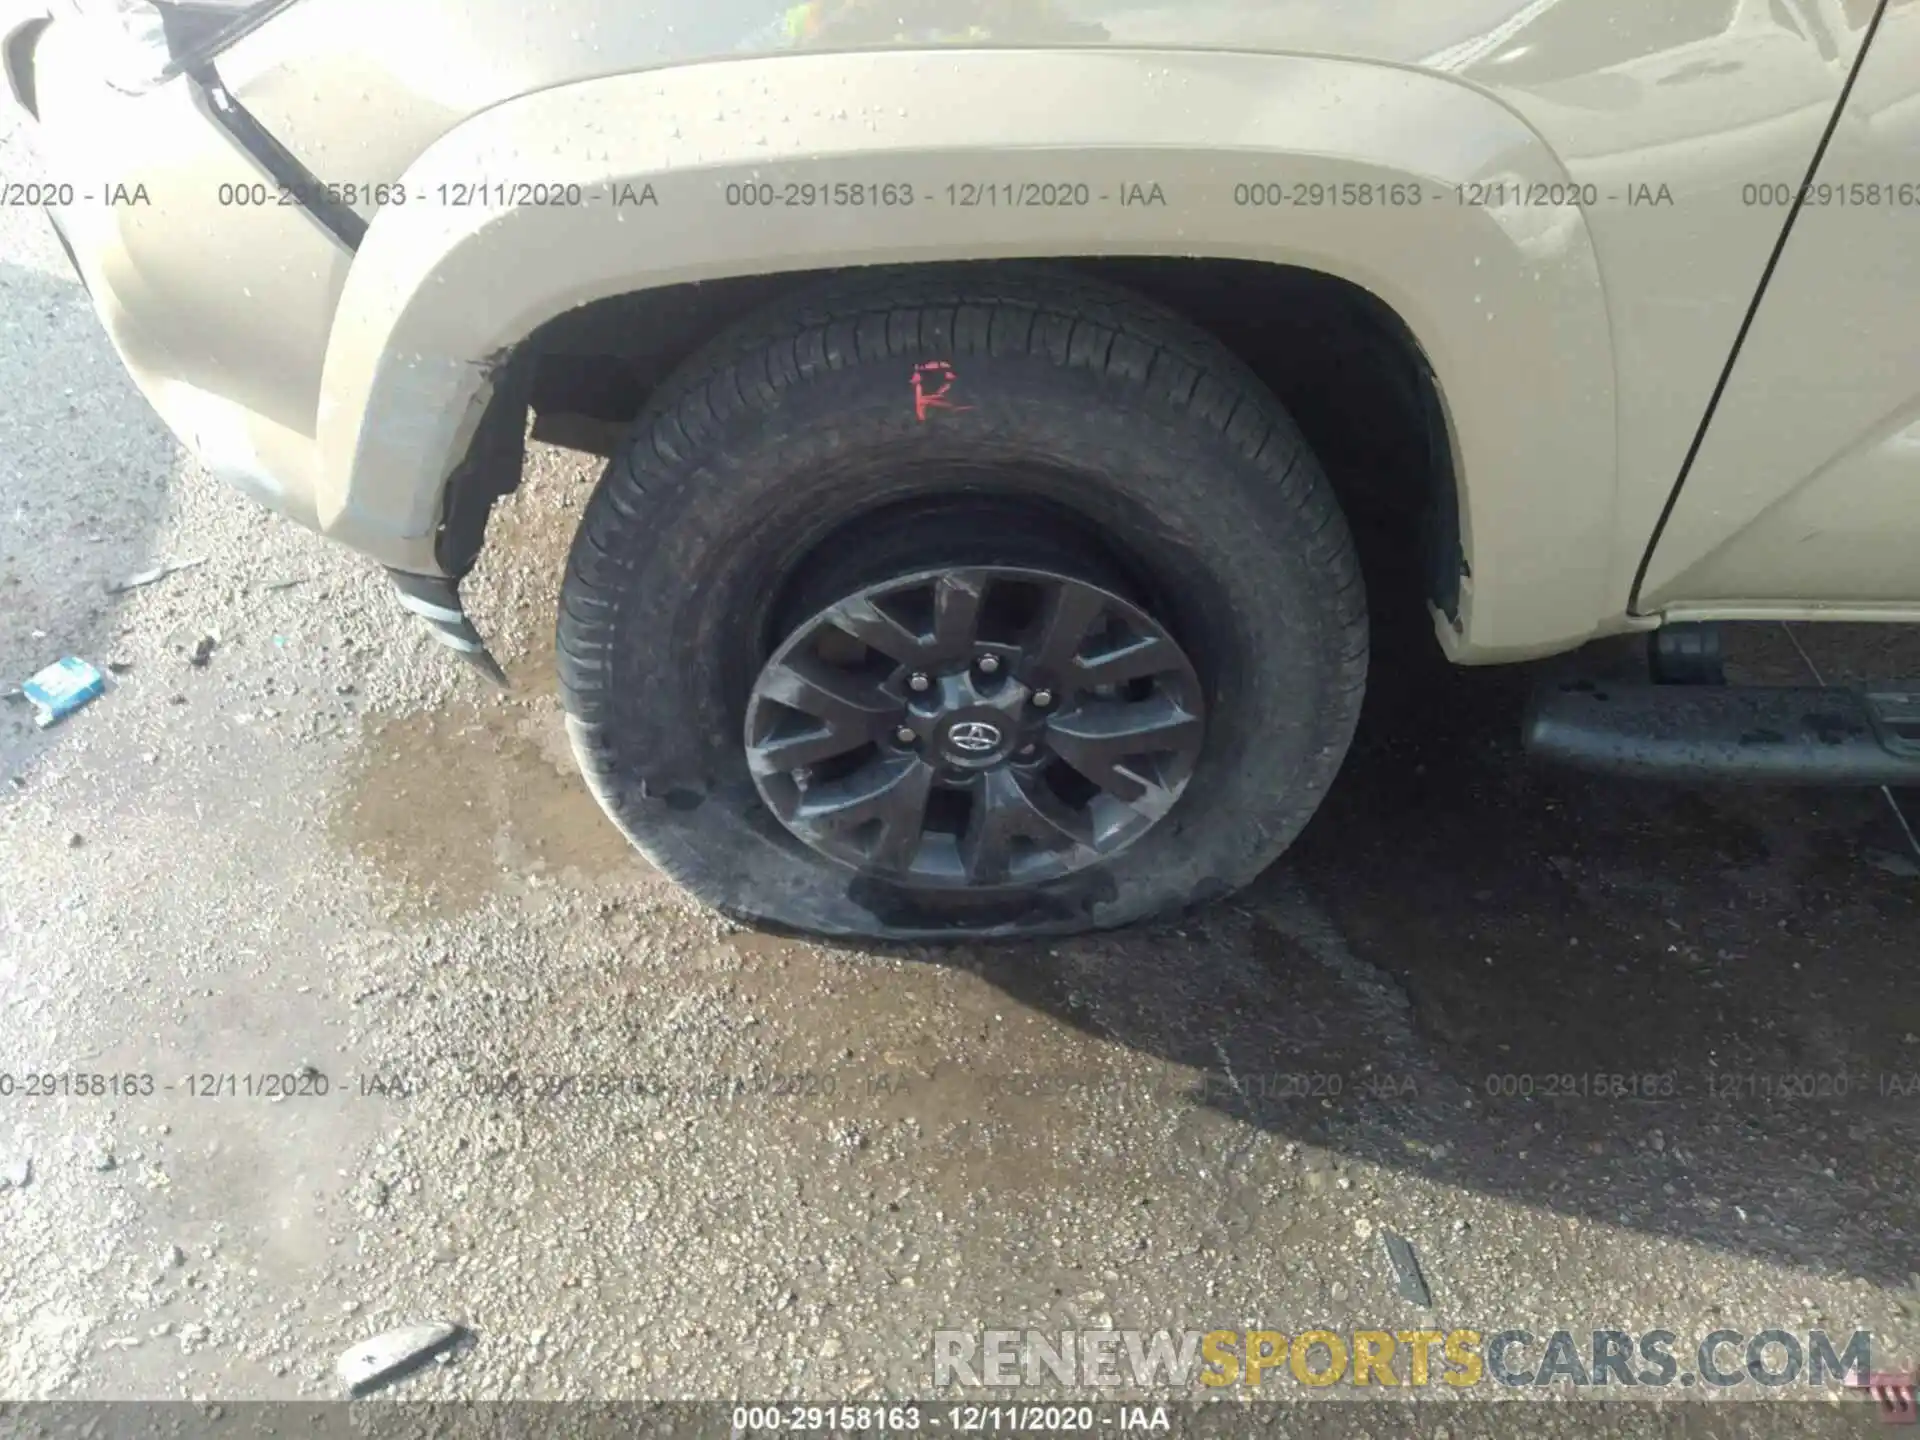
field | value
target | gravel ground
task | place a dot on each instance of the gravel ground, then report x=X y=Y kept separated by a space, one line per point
x=331 y=851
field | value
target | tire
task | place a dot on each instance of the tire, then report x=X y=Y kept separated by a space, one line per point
x=1147 y=440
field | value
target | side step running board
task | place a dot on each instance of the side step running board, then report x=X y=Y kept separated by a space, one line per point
x=1764 y=735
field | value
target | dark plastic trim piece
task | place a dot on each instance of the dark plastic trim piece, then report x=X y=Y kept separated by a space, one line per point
x=1766 y=735
x=1446 y=557
x=195 y=37
x=338 y=220
x=17 y=60
x=436 y=600
x=1687 y=653
x=492 y=467
x=66 y=248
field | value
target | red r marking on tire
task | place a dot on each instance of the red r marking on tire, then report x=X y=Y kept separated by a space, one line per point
x=925 y=399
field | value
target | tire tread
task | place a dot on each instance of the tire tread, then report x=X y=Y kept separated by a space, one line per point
x=873 y=318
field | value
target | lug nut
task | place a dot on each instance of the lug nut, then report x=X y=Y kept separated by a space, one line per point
x=905 y=735
x=1042 y=698
x=918 y=682
x=989 y=664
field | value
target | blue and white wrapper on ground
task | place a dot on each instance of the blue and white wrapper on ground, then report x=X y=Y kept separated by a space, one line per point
x=62 y=688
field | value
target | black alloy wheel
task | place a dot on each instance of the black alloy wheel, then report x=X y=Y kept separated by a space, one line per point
x=975 y=726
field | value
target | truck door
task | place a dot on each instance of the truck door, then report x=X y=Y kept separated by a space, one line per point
x=1802 y=497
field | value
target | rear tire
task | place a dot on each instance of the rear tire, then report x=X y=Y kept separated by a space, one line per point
x=1011 y=423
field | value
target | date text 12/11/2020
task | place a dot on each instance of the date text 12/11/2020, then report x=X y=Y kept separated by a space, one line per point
x=986 y=194
x=960 y=1419
x=1808 y=1085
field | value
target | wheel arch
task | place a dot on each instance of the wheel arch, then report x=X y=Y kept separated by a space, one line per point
x=1504 y=309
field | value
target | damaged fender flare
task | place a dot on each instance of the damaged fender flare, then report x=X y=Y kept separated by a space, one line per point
x=437 y=294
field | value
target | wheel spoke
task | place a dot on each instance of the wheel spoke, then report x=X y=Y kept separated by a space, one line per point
x=790 y=752
x=1149 y=655
x=956 y=612
x=905 y=823
x=876 y=629
x=893 y=792
x=1006 y=806
x=1098 y=737
x=847 y=703
x=1069 y=613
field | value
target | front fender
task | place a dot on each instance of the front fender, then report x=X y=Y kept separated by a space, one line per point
x=1506 y=303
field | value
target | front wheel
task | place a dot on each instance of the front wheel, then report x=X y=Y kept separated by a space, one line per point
x=934 y=605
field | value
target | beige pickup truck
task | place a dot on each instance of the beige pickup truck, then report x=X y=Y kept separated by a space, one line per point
x=970 y=373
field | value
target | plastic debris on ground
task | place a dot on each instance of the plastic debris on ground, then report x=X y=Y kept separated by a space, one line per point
x=62 y=688
x=386 y=1357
